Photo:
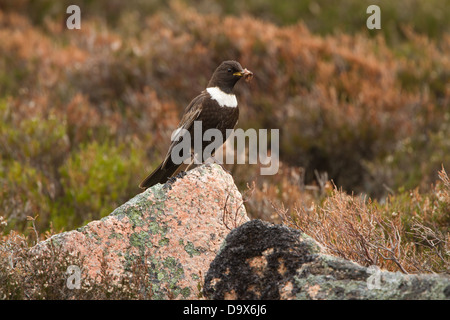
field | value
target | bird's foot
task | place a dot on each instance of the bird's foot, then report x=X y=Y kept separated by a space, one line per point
x=180 y=175
x=170 y=181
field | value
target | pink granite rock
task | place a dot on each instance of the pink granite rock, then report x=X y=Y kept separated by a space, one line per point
x=175 y=230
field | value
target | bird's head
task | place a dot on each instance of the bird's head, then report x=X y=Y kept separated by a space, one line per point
x=227 y=74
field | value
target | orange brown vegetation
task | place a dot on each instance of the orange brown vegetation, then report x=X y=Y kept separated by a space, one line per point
x=407 y=235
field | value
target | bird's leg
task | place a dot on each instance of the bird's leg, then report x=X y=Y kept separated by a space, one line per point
x=174 y=178
x=180 y=173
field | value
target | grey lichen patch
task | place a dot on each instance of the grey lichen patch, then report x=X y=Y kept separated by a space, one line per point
x=135 y=207
x=174 y=270
x=115 y=235
x=340 y=268
x=141 y=240
x=313 y=246
x=185 y=292
x=210 y=167
x=222 y=246
x=155 y=227
x=134 y=202
x=327 y=287
x=57 y=240
x=163 y=242
x=159 y=192
x=330 y=277
x=191 y=249
x=133 y=213
x=166 y=278
x=157 y=205
x=170 y=262
x=97 y=237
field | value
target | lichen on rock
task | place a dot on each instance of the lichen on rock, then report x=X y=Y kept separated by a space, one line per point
x=260 y=260
x=175 y=232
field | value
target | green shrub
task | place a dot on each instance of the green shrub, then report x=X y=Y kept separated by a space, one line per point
x=96 y=180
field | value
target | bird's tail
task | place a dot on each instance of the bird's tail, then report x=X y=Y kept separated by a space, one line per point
x=161 y=174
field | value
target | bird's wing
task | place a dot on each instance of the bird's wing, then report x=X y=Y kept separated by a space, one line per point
x=191 y=113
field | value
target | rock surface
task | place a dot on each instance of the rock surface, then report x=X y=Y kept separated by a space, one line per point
x=263 y=261
x=175 y=229
x=180 y=234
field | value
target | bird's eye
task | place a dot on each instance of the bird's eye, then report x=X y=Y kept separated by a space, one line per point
x=229 y=70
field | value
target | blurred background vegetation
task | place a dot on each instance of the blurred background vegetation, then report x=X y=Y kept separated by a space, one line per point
x=86 y=114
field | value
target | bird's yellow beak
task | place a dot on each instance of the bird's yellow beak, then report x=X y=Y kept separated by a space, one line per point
x=247 y=74
x=243 y=73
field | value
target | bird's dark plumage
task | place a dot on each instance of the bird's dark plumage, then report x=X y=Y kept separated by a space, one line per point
x=216 y=107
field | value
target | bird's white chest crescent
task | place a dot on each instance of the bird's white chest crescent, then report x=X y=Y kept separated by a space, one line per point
x=223 y=99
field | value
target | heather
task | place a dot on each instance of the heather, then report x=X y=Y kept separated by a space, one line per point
x=364 y=117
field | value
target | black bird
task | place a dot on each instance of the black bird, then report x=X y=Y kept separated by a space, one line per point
x=216 y=107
